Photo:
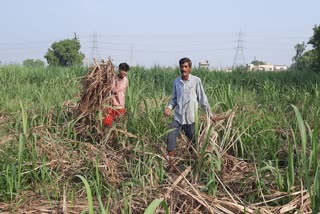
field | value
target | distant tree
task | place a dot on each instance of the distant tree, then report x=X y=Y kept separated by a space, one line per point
x=257 y=62
x=315 y=42
x=65 y=53
x=33 y=63
x=305 y=62
x=297 y=59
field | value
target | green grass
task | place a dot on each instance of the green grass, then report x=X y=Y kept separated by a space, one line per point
x=275 y=126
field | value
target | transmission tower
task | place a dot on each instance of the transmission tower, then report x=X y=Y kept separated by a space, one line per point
x=239 y=59
x=94 y=48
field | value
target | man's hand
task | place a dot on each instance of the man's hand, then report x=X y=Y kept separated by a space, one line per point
x=167 y=112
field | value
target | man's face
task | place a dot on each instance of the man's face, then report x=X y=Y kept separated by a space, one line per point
x=122 y=74
x=185 y=69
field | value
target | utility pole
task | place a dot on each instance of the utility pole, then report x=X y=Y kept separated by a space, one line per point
x=239 y=58
x=94 y=48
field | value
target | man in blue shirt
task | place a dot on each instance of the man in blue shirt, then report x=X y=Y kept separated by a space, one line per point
x=187 y=93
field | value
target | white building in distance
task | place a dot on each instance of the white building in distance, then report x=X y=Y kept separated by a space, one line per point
x=204 y=64
x=266 y=67
x=280 y=67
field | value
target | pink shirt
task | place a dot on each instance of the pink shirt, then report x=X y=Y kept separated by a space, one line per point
x=119 y=90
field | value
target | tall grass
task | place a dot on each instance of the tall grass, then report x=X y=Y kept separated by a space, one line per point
x=275 y=126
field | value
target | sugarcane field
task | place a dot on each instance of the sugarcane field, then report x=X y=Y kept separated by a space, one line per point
x=160 y=107
x=58 y=157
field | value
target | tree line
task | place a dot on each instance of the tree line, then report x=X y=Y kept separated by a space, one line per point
x=67 y=53
x=308 y=59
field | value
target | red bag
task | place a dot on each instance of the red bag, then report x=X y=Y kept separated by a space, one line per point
x=112 y=113
x=107 y=121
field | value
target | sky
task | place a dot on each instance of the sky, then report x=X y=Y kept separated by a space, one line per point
x=149 y=32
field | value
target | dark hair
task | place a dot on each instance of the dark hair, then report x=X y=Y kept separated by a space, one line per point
x=184 y=60
x=124 y=67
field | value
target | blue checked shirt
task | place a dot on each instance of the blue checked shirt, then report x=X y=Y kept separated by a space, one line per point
x=185 y=98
